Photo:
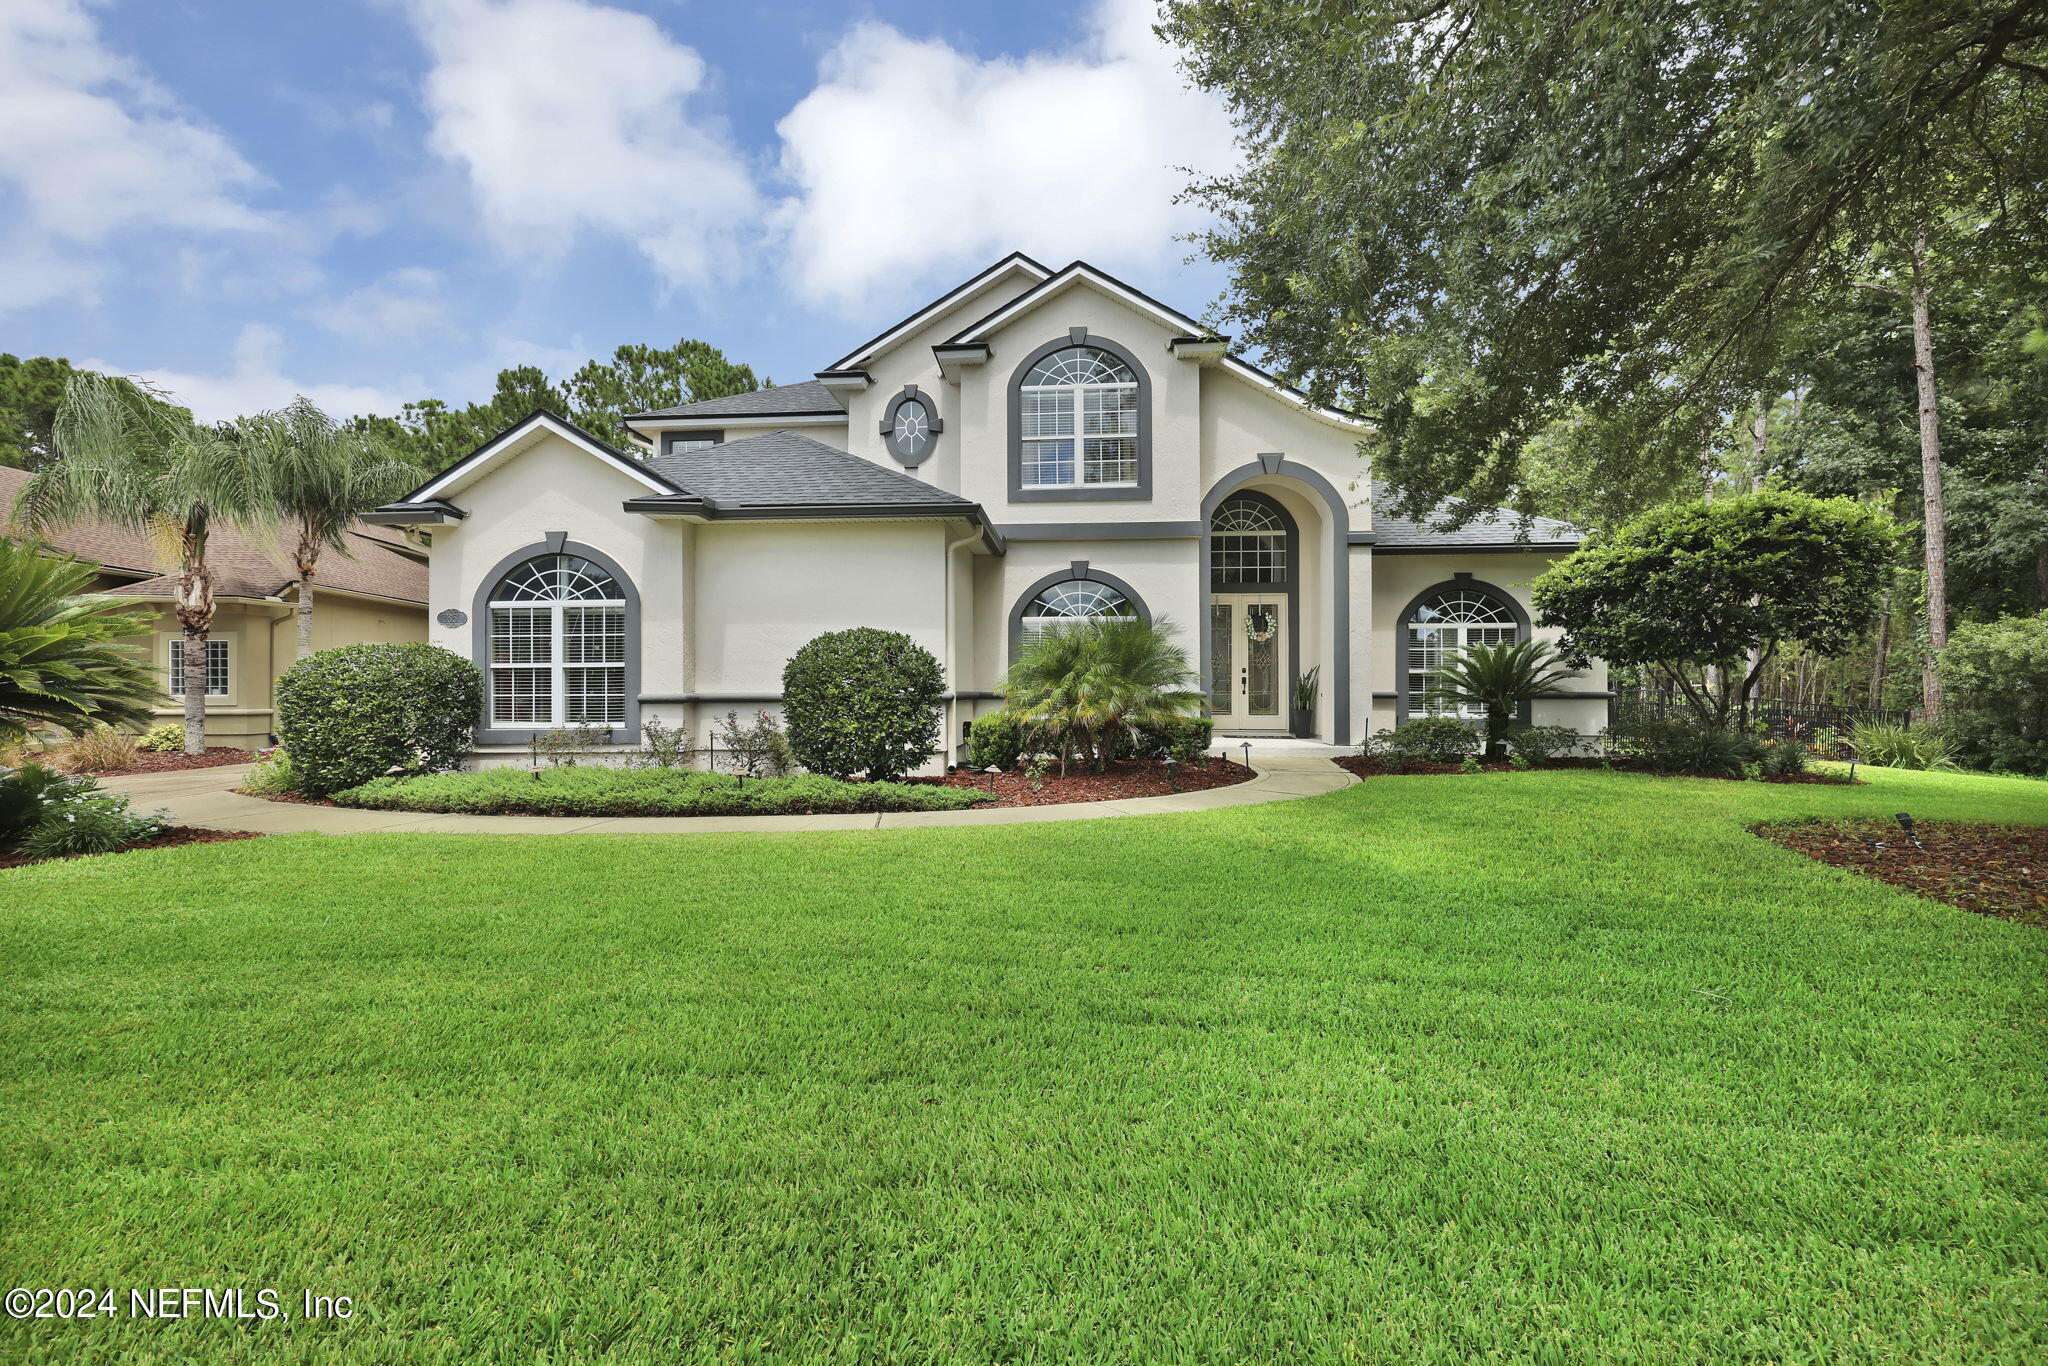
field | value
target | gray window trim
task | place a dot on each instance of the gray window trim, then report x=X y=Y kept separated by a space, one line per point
x=1339 y=519
x=557 y=543
x=1462 y=582
x=1142 y=492
x=1079 y=569
x=910 y=393
x=1100 y=531
x=669 y=439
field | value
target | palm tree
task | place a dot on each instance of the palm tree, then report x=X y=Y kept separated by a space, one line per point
x=323 y=477
x=1088 y=682
x=66 y=660
x=125 y=456
x=1502 y=679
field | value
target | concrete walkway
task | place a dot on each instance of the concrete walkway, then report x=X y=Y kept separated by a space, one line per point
x=206 y=797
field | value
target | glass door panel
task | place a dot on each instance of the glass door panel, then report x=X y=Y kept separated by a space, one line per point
x=1262 y=658
x=1248 y=660
x=1222 y=673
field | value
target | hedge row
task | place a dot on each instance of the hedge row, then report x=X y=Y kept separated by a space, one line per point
x=584 y=791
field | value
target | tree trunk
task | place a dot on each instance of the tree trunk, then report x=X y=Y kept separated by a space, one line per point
x=307 y=561
x=1936 y=508
x=1759 y=437
x=2041 y=577
x=194 y=606
x=1884 y=645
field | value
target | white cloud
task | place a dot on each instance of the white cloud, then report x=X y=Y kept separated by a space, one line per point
x=911 y=156
x=92 y=147
x=256 y=384
x=402 y=309
x=572 y=117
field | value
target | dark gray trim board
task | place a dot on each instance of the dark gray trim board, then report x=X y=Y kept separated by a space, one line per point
x=436 y=511
x=557 y=543
x=1360 y=538
x=1338 y=516
x=1463 y=583
x=1100 y=531
x=693 y=506
x=675 y=698
x=1079 y=569
x=1530 y=548
x=1141 y=492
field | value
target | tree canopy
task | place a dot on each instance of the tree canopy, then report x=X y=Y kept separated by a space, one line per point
x=1693 y=587
x=1475 y=220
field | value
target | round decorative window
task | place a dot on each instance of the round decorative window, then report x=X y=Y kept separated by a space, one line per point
x=910 y=427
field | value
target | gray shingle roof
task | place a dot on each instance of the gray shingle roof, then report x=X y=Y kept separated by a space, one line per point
x=784 y=400
x=1497 y=528
x=785 y=469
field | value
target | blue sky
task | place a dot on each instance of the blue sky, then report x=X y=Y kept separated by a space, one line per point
x=376 y=200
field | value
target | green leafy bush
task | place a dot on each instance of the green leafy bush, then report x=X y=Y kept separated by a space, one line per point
x=862 y=701
x=757 y=748
x=273 y=776
x=1982 y=740
x=1995 y=674
x=358 y=712
x=1782 y=758
x=168 y=738
x=1675 y=746
x=1541 y=744
x=51 y=814
x=596 y=791
x=995 y=740
x=1890 y=746
x=1429 y=739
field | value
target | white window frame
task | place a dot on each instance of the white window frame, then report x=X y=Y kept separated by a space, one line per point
x=1446 y=638
x=1033 y=625
x=557 y=665
x=174 y=671
x=1076 y=421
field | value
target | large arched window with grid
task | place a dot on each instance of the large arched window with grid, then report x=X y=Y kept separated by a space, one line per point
x=558 y=635
x=1077 y=420
x=1071 y=601
x=1443 y=624
x=1248 y=544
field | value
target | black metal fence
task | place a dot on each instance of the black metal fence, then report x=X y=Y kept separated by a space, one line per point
x=1778 y=715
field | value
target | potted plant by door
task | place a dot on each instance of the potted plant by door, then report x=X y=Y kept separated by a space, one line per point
x=1302 y=714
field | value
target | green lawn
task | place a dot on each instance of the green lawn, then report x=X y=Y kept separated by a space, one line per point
x=1535 y=1067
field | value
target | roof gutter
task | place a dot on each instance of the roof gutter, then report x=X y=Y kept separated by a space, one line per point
x=712 y=510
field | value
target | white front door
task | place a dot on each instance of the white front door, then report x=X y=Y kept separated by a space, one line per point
x=1248 y=683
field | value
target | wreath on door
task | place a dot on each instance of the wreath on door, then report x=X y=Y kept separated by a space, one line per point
x=1261 y=624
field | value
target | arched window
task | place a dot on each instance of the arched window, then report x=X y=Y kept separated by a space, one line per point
x=1248 y=543
x=1443 y=623
x=557 y=645
x=1077 y=421
x=1069 y=601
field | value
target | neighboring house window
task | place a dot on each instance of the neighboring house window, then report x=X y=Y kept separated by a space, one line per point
x=690 y=441
x=1073 y=600
x=216 y=668
x=1078 y=421
x=558 y=645
x=1443 y=625
x=1248 y=543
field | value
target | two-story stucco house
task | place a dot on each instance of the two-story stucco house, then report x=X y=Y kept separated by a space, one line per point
x=1035 y=445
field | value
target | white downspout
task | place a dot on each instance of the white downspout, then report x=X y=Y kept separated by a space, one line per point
x=952 y=671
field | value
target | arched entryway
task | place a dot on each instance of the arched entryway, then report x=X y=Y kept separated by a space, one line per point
x=1254 y=612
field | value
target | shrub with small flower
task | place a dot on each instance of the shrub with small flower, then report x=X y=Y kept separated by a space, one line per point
x=47 y=814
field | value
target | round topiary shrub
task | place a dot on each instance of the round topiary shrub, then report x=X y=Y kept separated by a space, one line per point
x=358 y=712
x=862 y=701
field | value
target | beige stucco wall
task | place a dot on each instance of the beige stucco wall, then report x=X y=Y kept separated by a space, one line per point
x=1399 y=579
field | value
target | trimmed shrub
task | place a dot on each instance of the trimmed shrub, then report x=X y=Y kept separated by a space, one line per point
x=168 y=738
x=591 y=791
x=1431 y=739
x=995 y=741
x=1675 y=746
x=358 y=712
x=862 y=701
x=1181 y=739
x=1541 y=744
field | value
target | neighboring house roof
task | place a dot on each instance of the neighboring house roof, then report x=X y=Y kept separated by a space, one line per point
x=1497 y=530
x=805 y=399
x=787 y=469
x=246 y=564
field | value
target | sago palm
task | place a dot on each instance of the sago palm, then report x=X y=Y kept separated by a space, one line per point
x=66 y=660
x=322 y=478
x=125 y=456
x=1501 y=679
x=1085 y=683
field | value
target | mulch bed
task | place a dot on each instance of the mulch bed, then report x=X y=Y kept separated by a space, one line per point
x=1126 y=778
x=1999 y=870
x=1366 y=766
x=173 y=836
x=169 y=763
